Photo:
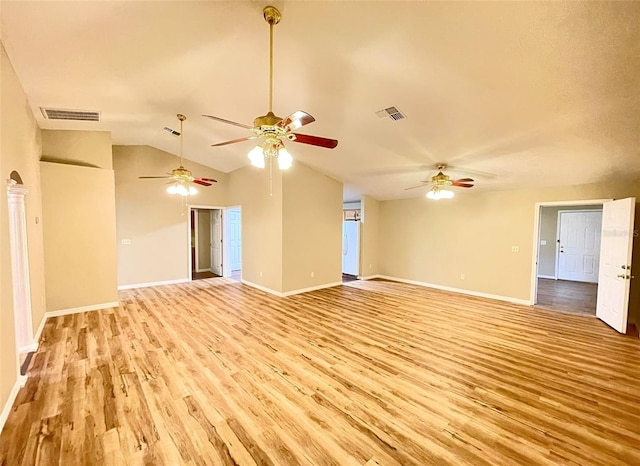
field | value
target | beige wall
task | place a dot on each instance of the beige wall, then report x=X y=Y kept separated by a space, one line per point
x=79 y=236
x=436 y=242
x=369 y=240
x=204 y=239
x=91 y=148
x=155 y=222
x=20 y=150
x=261 y=224
x=312 y=229
x=549 y=233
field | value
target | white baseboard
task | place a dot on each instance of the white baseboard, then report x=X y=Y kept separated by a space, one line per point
x=36 y=337
x=479 y=294
x=32 y=348
x=6 y=409
x=261 y=288
x=311 y=288
x=203 y=270
x=144 y=285
x=370 y=277
x=76 y=310
x=292 y=292
x=551 y=277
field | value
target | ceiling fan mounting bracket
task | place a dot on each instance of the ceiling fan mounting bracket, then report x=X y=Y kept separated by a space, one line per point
x=266 y=120
x=271 y=14
x=181 y=117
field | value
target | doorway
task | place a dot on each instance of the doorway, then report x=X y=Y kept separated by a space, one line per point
x=205 y=242
x=568 y=256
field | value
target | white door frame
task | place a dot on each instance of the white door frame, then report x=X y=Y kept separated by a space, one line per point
x=533 y=296
x=189 y=226
x=226 y=252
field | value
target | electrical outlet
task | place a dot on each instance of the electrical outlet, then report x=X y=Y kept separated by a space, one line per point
x=515 y=248
x=313 y=274
x=125 y=241
x=260 y=274
x=370 y=266
x=461 y=276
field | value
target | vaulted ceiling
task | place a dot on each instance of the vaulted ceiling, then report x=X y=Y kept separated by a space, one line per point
x=512 y=94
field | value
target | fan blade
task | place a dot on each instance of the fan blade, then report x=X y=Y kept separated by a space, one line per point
x=228 y=121
x=464 y=180
x=210 y=180
x=419 y=186
x=296 y=120
x=461 y=185
x=202 y=183
x=315 y=140
x=233 y=141
x=150 y=177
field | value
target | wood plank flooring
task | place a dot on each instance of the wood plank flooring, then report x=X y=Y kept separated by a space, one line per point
x=568 y=296
x=213 y=372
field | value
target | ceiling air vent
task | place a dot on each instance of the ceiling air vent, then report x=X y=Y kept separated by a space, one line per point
x=391 y=112
x=73 y=115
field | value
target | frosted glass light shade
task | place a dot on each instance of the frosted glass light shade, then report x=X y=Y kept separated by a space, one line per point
x=256 y=156
x=284 y=159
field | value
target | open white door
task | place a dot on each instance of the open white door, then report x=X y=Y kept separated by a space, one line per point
x=216 y=242
x=615 y=262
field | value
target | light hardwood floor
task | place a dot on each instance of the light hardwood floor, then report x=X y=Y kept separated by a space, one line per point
x=377 y=373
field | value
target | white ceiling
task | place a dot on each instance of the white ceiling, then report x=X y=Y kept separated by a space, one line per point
x=513 y=94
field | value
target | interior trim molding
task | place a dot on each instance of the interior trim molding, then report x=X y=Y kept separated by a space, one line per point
x=76 y=310
x=550 y=277
x=479 y=294
x=6 y=409
x=370 y=277
x=292 y=292
x=311 y=288
x=261 y=288
x=144 y=285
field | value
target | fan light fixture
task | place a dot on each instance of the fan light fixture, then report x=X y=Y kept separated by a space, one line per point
x=436 y=193
x=182 y=187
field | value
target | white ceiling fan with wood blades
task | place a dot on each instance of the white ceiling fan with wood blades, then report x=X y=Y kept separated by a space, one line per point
x=271 y=130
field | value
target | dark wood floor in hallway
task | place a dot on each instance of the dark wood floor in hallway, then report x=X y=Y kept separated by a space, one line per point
x=568 y=296
x=213 y=372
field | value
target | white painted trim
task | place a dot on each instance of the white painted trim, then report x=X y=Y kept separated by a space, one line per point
x=292 y=292
x=145 y=285
x=32 y=348
x=261 y=288
x=203 y=270
x=459 y=290
x=311 y=288
x=550 y=277
x=76 y=310
x=36 y=337
x=6 y=409
x=370 y=277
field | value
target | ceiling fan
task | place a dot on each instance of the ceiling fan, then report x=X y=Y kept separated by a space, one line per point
x=181 y=178
x=440 y=184
x=270 y=129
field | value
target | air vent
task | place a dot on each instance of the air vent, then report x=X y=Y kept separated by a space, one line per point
x=73 y=115
x=391 y=112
